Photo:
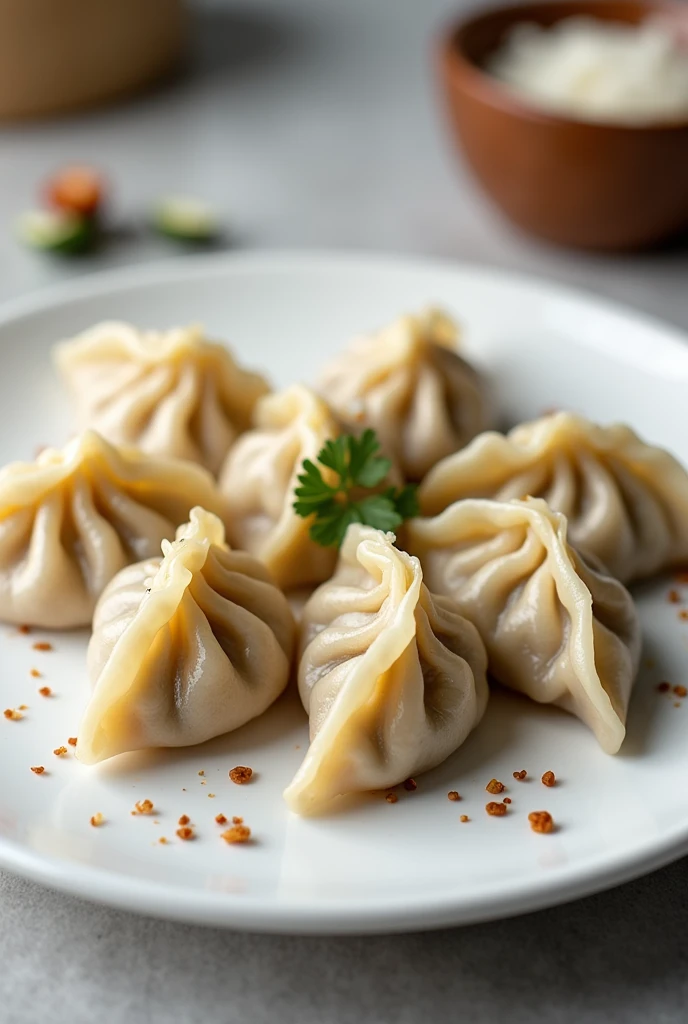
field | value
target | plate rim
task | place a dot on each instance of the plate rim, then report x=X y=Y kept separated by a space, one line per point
x=330 y=917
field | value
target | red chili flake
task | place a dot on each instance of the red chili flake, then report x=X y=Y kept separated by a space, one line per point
x=664 y=687
x=453 y=795
x=184 y=820
x=42 y=645
x=464 y=818
x=680 y=691
x=391 y=798
x=24 y=629
x=506 y=800
x=241 y=774
x=495 y=810
x=683 y=614
x=185 y=833
x=494 y=786
x=674 y=597
x=72 y=741
x=541 y=821
x=236 y=820
x=410 y=785
x=549 y=779
x=37 y=769
x=220 y=819
x=45 y=691
x=35 y=673
x=520 y=776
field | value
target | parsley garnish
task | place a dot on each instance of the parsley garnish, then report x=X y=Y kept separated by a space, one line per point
x=356 y=464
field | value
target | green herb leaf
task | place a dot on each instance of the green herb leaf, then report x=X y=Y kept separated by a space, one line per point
x=357 y=466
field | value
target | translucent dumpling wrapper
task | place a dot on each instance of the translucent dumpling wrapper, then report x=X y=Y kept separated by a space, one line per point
x=626 y=501
x=185 y=647
x=392 y=676
x=166 y=392
x=259 y=480
x=73 y=518
x=410 y=385
x=556 y=626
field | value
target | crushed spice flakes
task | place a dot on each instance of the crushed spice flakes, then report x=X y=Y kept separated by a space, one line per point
x=674 y=597
x=45 y=691
x=143 y=807
x=680 y=691
x=664 y=687
x=541 y=821
x=35 y=673
x=220 y=819
x=453 y=795
x=391 y=798
x=241 y=774
x=97 y=819
x=496 y=810
x=72 y=741
x=495 y=786
x=185 y=833
x=184 y=820
x=410 y=785
x=237 y=834
x=12 y=715
x=37 y=769
x=42 y=645
x=24 y=629
x=464 y=818
x=60 y=751
x=520 y=776
x=549 y=779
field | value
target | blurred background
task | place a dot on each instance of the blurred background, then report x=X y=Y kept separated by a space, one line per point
x=302 y=123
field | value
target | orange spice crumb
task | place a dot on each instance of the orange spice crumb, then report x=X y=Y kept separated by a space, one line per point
x=35 y=673
x=42 y=645
x=23 y=707
x=72 y=741
x=241 y=774
x=237 y=834
x=495 y=810
x=97 y=819
x=220 y=819
x=549 y=779
x=201 y=772
x=163 y=840
x=683 y=614
x=664 y=687
x=520 y=776
x=495 y=786
x=185 y=833
x=37 y=769
x=506 y=800
x=453 y=795
x=184 y=820
x=464 y=818
x=45 y=691
x=680 y=691
x=541 y=821
x=391 y=798
x=410 y=785
x=211 y=796
x=24 y=629
x=674 y=597
x=677 y=704
x=143 y=807
x=60 y=751
x=12 y=715
x=236 y=820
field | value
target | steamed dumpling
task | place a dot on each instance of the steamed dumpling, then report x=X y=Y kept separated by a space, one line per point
x=410 y=385
x=166 y=392
x=185 y=647
x=259 y=480
x=392 y=677
x=625 y=501
x=556 y=626
x=73 y=518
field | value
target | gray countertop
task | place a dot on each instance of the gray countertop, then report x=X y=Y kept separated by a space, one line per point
x=310 y=123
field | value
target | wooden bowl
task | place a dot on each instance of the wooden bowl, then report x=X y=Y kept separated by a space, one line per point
x=576 y=183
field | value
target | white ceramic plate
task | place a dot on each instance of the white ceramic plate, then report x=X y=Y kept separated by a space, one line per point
x=379 y=867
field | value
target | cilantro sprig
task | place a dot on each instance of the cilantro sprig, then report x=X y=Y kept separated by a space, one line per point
x=356 y=464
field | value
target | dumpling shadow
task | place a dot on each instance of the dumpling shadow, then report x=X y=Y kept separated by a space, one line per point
x=285 y=717
x=642 y=725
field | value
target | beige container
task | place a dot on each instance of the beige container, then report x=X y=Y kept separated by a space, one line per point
x=58 y=55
